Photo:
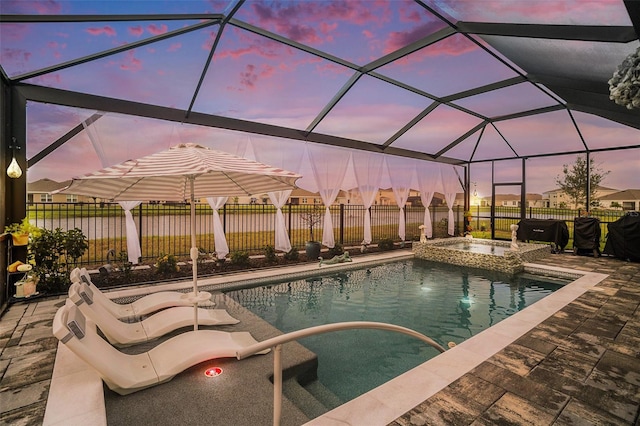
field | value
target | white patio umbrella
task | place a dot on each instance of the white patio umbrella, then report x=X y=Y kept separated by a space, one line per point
x=183 y=172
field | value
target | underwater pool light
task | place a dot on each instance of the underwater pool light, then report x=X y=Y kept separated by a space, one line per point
x=213 y=372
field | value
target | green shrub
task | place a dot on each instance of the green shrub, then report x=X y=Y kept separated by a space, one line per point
x=167 y=264
x=385 y=244
x=335 y=251
x=124 y=265
x=54 y=254
x=292 y=255
x=270 y=254
x=240 y=258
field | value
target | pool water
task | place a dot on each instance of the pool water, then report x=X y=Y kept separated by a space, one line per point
x=478 y=248
x=444 y=302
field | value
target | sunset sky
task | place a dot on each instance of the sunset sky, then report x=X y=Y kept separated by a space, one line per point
x=257 y=79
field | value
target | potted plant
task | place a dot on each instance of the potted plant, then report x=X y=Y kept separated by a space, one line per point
x=21 y=231
x=312 y=218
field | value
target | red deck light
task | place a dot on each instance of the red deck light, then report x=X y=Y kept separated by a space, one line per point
x=213 y=372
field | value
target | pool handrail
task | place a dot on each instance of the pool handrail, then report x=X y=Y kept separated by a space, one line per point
x=276 y=344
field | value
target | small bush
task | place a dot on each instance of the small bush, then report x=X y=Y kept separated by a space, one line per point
x=385 y=244
x=240 y=258
x=167 y=264
x=335 y=251
x=270 y=254
x=292 y=255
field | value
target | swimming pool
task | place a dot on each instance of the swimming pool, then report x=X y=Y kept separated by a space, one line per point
x=445 y=302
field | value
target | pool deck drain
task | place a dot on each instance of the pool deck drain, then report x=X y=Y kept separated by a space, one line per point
x=581 y=365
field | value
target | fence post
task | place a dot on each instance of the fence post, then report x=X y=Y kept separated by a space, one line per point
x=140 y=227
x=342 y=224
x=224 y=217
x=289 y=218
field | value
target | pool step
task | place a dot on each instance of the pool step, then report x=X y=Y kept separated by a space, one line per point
x=313 y=399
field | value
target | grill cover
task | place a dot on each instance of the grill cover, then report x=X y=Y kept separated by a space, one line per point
x=550 y=230
x=586 y=233
x=623 y=237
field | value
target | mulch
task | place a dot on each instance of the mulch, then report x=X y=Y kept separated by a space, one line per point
x=208 y=268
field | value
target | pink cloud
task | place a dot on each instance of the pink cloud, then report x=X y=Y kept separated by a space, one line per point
x=157 y=29
x=174 y=47
x=17 y=56
x=131 y=63
x=400 y=39
x=23 y=7
x=328 y=28
x=286 y=17
x=136 y=31
x=367 y=33
x=106 y=30
x=14 y=32
x=249 y=77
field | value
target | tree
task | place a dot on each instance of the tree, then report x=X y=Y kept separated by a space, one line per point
x=574 y=180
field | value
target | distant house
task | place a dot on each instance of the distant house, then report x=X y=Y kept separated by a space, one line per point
x=629 y=199
x=513 y=200
x=557 y=198
x=40 y=192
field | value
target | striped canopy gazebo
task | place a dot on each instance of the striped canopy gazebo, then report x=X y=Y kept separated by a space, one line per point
x=183 y=172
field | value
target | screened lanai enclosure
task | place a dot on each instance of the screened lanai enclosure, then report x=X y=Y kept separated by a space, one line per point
x=451 y=96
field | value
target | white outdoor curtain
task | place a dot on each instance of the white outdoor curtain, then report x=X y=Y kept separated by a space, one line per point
x=402 y=176
x=279 y=153
x=450 y=186
x=428 y=175
x=367 y=167
x=220 y=240
x=133 y=245
x=329 y=166
x=279 y=199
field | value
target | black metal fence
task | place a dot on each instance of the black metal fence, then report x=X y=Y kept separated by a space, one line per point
x=165 y=228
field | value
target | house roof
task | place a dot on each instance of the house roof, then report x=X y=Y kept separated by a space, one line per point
x=45 y=186
x=598 y=188
x=627 y=194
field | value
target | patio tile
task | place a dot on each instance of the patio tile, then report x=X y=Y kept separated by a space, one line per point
x=536 y=344
x=615 y=370
x=41 y=330
x=30 y=415
x=459 y=403
x=569 y=363
x=513 y=410
x=28 y=369
x=541 y=395
x=22 y=350
x=578 y=414
x=12 y=399
x=517 y=359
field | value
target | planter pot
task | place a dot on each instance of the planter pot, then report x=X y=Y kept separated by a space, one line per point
x=312 y=249
x=20 y=239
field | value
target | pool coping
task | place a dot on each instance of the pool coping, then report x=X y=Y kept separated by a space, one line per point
x=382 y=405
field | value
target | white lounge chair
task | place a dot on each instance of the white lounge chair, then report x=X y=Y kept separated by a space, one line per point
x=143 y=306
x=120 y=333
x=124 y=373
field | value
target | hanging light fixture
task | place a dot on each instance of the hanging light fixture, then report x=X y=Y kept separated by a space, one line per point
x=624 y=86
x=14 y=171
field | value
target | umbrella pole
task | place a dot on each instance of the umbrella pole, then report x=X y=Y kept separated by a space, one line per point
x=194 y=254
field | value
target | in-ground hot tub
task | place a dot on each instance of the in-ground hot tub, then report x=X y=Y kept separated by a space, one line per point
x=478 y=253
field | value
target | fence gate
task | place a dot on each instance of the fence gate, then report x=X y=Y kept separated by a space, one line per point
x=505 y=208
